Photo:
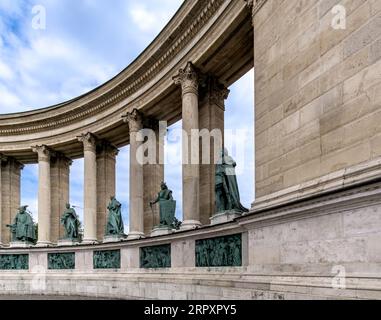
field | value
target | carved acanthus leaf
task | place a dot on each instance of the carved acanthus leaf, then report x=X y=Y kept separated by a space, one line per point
x=134 y=120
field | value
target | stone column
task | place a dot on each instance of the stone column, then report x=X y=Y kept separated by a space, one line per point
x=2 y=158
x=10 y=194
x=135 y=124
x=106 y=180
x=44 y=195
x=211 y=118
x=153 y=175
x=188 y=78
x=60 y=185
x=90 y=188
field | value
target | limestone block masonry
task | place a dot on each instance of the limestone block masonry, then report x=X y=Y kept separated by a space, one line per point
x=317 y=92
x=327 y=248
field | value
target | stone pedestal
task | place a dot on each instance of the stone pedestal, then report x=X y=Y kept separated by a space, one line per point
x=161 y=231
x=113 y=238
x=20 y=244
x=68 y=242
x=224 y=217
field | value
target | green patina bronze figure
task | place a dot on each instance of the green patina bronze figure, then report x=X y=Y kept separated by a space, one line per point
x=23 y=228
x=114 y=226
x=226 y=185
x=71 y=223
x=167 y=207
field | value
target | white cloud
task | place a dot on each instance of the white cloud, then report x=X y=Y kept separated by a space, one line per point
x=82 y=48
x=150 y=18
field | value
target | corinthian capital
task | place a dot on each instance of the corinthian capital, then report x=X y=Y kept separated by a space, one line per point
x=43 y=152
x=89 y=141
x=134 y=120
x=188 y=78
x=218 y=93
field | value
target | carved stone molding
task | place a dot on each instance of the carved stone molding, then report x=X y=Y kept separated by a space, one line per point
x=107 y=148
x=215 y=91
x=43 y=152
x=134 y=120
x=89 y=141
x=3 y=158
x=59 y=156
x=255 y=5
x=188 y=78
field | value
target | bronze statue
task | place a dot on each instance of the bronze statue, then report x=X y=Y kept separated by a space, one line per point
x=167 y=207
x=226 y=185
x=23 y=228
x=115 y=224
x=71 y=223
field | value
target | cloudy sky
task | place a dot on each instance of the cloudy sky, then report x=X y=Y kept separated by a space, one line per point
x=85 y=43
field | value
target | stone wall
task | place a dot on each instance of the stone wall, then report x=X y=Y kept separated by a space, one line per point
x=326 y=248
x=317 y=91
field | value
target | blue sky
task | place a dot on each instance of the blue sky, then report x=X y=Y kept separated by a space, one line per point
x=84 y=44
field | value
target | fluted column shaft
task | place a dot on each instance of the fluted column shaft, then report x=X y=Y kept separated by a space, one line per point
x=188 y=78
x=44 y=195
x=10 y=194
x=211 y=117
x=106 y=183
x=90 y=188
x=135 y=123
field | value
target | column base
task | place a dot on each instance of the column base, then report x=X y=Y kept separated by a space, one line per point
x=190 y=225
x=113 y=238
x=226 y=216
x=20 y=244
x=161 y=231
x=134 y=235
x=44 y=244
x=67 y=242
x=89 y=241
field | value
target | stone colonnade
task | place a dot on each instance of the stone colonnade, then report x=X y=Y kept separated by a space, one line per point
x=202 y=108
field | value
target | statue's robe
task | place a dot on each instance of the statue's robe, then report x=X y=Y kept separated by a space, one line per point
x=70 y=223
x=167 y=207
x=115 y=224
x=24 y=227
x=232 y=185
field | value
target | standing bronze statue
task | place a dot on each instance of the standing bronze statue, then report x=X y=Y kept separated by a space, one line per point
x=71 y=223
x=114 y=226
x=167 y=207
x=23 y=228
x=226 y=185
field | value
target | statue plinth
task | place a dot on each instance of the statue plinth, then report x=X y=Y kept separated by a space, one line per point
x=44 y=244
x=226 y=216
x=114 y=238
x=21 y=244
x=161 y=231
x=67 y=242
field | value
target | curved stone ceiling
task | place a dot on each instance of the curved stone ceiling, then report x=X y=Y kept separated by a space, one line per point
x=216 y=35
